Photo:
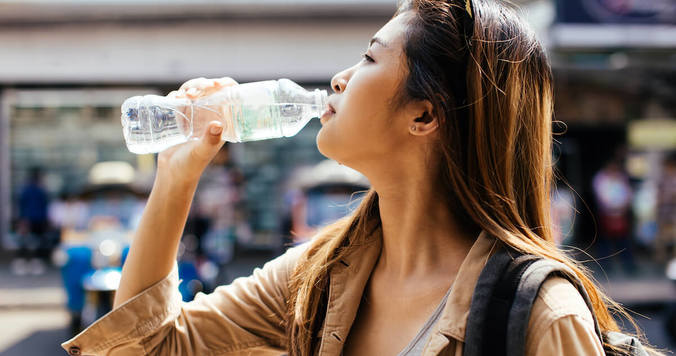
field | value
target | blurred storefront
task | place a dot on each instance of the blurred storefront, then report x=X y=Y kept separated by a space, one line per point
x=615 y=75
x=67 y=66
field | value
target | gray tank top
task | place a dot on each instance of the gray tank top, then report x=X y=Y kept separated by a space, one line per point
x=416 y=346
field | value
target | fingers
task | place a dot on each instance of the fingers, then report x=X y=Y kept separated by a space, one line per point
x=192 y=88
x=193 y=93
x=225 y=81
x=211 y=142
x=195 y=88
x=192 y=83
x=214 y=135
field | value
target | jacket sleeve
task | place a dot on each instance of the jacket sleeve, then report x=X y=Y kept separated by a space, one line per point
x=569 y=336
x=561 y=323
x=243 y=317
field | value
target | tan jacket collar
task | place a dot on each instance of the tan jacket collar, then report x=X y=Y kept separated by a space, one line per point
x=348 y=279
x=454 y=317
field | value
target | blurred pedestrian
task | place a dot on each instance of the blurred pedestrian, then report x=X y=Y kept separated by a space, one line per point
x=665 y=243
x=213 y=218
x=563 y=215
x=32 y=227
x=613 y=194
x=68 y=212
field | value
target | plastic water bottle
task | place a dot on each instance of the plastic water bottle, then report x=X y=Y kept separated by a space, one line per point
x=249 y=112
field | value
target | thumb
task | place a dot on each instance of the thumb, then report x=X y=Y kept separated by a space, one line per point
x=213 y=134
x=211 y=141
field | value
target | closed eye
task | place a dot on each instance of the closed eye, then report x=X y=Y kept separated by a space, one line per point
x=367 y=58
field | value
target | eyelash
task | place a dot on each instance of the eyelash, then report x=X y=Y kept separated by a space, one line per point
x=367 y=57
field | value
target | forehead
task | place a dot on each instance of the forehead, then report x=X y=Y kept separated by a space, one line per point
x=392 y=33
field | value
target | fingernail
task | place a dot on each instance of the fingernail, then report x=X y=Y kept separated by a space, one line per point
x=215 y=130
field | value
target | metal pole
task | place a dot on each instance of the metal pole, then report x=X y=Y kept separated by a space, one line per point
x=5 y=201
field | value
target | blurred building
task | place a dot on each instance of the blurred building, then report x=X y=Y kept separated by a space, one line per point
x=66 y=66
x=615 y=85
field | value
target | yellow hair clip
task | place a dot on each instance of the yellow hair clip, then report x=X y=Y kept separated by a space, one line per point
x=468 y=7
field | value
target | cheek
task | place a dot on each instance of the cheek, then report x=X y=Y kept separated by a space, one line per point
x=362 y=127
x=346 y=136
x=357 y=135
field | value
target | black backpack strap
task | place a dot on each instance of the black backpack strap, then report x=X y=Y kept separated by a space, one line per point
x=491 y=302
x=500 y=305
x=528 y=287
x=503 y=299
x=478 y=313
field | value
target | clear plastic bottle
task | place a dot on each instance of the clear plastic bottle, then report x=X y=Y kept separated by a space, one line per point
x=249 y=112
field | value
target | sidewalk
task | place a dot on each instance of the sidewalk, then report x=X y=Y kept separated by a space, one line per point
x=43 y=291
x=632 y=292
x=33 y=310
x=646 y=285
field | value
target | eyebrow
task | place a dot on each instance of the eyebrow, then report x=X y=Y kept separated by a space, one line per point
x=377 y=40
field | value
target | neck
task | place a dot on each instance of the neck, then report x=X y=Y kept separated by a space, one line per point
x=421 y=237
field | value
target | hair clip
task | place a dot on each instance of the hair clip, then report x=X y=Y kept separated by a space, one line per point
x=468 y=23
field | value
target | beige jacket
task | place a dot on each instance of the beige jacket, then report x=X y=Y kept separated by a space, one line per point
x=247 y=317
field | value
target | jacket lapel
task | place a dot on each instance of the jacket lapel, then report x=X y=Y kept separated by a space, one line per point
x=453 y=321
x=347 y=281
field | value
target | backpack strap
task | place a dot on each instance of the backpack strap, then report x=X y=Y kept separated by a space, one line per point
x=495 y=328
x=474 y=332
x=529 y=285
x=502 y=301
x=491 y=302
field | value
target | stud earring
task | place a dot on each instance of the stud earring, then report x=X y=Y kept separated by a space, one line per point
x=413 y=128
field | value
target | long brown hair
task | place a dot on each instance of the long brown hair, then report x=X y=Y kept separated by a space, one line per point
x=492 y=95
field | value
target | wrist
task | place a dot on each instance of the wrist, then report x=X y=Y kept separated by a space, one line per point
x=171 y=185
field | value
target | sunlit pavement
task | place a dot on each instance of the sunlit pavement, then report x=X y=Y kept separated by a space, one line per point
x=32 y=313
x=33 y=331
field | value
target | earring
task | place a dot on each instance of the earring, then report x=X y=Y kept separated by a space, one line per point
x=413 y=128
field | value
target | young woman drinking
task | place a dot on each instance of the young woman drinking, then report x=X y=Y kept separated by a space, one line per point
x=449 y=115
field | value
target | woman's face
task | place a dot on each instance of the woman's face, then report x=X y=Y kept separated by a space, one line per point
x=365 y=129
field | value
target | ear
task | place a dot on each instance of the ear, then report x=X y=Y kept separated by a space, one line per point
x=421 y=119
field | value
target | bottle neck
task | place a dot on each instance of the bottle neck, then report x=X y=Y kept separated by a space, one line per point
x=321 y=98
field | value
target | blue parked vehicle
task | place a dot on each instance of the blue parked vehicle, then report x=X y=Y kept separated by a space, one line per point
x=91 y=271
x=91 y=256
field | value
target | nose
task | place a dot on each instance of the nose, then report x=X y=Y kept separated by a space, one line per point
x=339 y=81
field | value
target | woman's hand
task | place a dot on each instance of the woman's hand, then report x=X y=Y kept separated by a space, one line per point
x=198 y=87
x=183 y=164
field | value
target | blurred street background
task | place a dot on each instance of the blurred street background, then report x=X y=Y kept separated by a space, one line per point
x=71 y=193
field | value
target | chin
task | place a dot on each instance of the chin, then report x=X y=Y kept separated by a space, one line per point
x=322 y=146
x=334 y=147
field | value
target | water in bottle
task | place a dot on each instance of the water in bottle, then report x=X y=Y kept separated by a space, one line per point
x=248 y=112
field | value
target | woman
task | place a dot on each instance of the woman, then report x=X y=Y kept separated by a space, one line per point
x=449 y=116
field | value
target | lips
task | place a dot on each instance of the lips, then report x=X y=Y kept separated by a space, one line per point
x=328 y=113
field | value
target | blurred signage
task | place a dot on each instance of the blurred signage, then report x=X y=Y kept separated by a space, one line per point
x=657 y=134
x=616 y=11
